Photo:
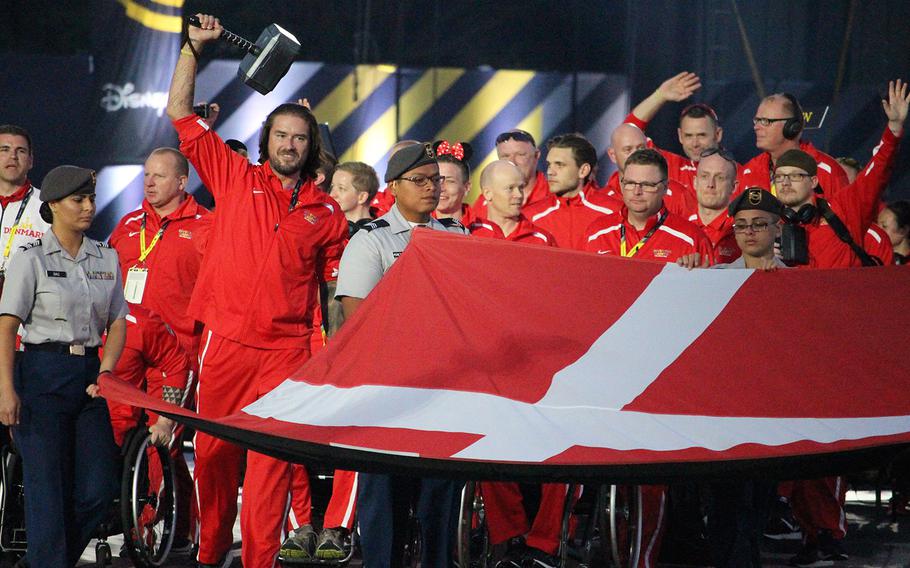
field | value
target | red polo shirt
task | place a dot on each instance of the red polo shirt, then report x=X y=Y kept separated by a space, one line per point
x=674 y=238
x=525 y=232
x=567 y=218
x=720 y=235
x=258 y=281
x=173 y=263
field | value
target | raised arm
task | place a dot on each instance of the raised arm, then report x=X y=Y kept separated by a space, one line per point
x=677 y=88
x=183 y=83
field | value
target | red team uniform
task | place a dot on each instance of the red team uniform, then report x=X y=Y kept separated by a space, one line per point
x=256 y=293
x=172 y=262
x=877 y=243
x=757 y=172
x=669 y=237
x=567 y=218
x=720 y=235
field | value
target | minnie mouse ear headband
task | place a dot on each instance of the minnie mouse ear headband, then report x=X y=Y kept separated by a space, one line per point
x=461 y=151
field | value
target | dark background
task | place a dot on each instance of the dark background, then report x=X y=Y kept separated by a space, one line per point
x=839 y=52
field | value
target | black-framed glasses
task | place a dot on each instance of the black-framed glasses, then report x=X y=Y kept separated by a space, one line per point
x=517 y=135
x=720 y=151
x=422 y=181
x=645 y=186
x=792 y=178
x=758 y=226
x=768 y=121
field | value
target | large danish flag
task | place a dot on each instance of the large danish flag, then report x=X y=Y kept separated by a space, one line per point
x=487 y=358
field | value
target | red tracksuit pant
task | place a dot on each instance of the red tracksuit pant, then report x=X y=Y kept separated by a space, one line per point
x=506 y=517
x=231 y=376
x=818 y=504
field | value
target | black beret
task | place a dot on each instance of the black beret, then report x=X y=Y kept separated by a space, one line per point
x=755 y=198
x=408 y=158
x=798 y=159
x=67 y=180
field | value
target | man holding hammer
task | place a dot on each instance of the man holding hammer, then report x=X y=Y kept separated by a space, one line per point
x=274 y=237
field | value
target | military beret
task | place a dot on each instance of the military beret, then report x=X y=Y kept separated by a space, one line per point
x=755 y=198
x=798 y=159
x=408 y=158
x=67 y=180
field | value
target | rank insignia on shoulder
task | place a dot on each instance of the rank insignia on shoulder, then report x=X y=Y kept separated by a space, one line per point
x=33 y=244
x=449 y=222
x=377 y=224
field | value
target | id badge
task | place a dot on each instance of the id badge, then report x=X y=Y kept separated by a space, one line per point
x=135 y=284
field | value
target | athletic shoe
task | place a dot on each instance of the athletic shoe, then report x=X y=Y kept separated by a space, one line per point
x=330 y=544
x=182 y=546
x=536 y=558
x=516 y=553
x=830 y=548
x=300 y=544
x=809 y=557
x=783 y=527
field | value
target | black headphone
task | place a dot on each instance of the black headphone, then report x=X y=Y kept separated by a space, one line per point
x=802 y=216
x=794 y=125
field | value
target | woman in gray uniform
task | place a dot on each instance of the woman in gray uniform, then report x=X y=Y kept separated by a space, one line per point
x=65 y=290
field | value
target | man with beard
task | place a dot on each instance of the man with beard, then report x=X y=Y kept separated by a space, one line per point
x=275 y=235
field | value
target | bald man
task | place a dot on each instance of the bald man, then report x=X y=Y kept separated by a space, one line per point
x=384 y=199
x=628 y=138
x=503 y=185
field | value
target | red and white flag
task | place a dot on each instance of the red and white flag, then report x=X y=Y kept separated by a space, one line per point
x=486 y=358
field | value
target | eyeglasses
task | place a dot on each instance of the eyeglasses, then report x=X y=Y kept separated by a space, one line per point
x=792 y=178
x=517 y=135
x=754 y=226
x=720 y=151
x=421 y=181
x=767 y=121
x=645 y=186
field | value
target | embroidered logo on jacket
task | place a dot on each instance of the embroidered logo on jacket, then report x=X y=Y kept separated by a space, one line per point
x=310 y=217
x=185 y=234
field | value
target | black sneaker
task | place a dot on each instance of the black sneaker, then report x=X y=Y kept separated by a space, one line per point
x=830 y=548
x=809 y=557
x=515 y=555
x=536 y=558
x=783 y=527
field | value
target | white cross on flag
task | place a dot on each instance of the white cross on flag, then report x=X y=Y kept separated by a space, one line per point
x=485 y=358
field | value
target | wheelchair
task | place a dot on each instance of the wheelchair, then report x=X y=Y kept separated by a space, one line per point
x=612 y=525
x=145 y=513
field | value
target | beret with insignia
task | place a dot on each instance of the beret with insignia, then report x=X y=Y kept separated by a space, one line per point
x=408 y=158
x=755 y=198
x=63 y=181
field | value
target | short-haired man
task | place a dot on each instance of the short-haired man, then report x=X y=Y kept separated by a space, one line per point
x=20 y=222
x=699 y=128
x=644 y=228
x=570 y=206
x=456 y=181
x=756 y=224
x=519 y=147
x=383 y=200
x=414 y=180
x=628 y=138
x=354 y=185
x=160 y=255
x=715 y=183
x=778 y=125
x=502 y=187
x=276 y=235
x=797 y=175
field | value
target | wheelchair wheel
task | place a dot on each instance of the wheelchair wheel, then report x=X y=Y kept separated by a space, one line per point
x=148 y=502
x=474 y=549
x=621 y=523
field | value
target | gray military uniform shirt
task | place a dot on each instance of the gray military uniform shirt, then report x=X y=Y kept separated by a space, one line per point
x=373 y=250
x=741 y=263
x=64 y=299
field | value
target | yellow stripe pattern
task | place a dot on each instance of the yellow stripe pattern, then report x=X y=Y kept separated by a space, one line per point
x=152 y=19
